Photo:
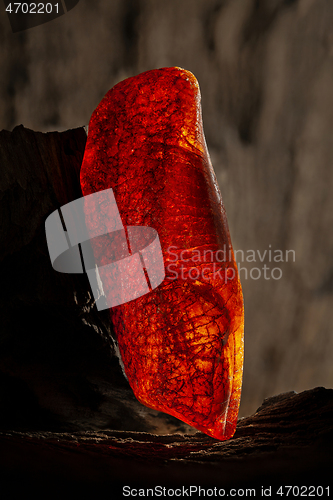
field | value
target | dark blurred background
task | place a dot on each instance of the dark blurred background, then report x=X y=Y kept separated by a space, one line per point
x=265 y=68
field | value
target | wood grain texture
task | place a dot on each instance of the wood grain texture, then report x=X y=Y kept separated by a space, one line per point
x=287 y=441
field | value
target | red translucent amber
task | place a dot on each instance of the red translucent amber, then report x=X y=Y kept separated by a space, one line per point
x=182 y=343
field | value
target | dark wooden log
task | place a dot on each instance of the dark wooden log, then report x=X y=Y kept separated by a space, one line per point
x=287 y=442
x=68 y=416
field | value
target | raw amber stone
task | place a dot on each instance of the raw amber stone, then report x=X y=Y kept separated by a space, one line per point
x=182 y=343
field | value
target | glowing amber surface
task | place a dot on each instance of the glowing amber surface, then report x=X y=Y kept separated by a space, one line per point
x=182 y=343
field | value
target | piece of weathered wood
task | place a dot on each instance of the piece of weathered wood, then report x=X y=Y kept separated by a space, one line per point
x=288 y=441
x=62 y=389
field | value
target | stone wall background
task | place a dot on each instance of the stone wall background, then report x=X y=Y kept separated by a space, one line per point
x=265 y=68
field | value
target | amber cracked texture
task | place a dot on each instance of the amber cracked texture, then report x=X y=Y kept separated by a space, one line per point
x=182 y=343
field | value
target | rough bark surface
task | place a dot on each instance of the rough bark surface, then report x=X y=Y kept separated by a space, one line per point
x=288 y=441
